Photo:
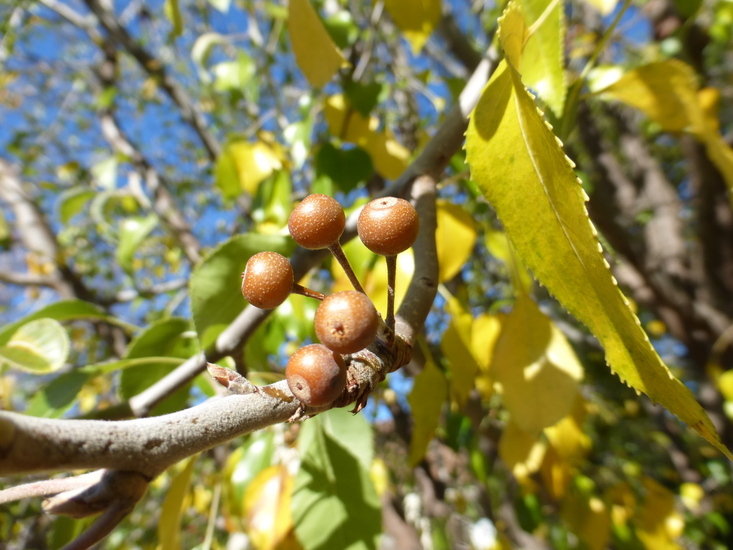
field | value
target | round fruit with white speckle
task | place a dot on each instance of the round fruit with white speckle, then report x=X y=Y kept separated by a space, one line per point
x=317 y=222
x=316 y=375
x=388 y=226
x=267 y=280
x=346 y=322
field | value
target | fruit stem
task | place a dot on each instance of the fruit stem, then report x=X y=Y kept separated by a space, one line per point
x=391 y=280
x=305 y=291
x=338 y=253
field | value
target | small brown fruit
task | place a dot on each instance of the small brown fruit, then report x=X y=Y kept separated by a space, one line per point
x=267 y=280
x=346 y=322
x=317 y=222
x=388 y=226
x=316 y=375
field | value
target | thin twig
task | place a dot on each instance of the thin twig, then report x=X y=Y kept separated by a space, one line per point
x=27 y=279
x=343 y=261
x=49 y=487
x=190 y=113
x=391 y=281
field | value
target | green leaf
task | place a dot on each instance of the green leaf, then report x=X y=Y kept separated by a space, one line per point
x=216 y=295
x=105 y=173
x=5 y=233
x=536 y=367
x=353 y=432
x=106 y=97
x=520 y=167
x=113 y=366
x=298 y=136
x=74 y=201
x=233 y=76
x=65 y=529
x=342 y=28
x=133 y=232
x=543 y=62
x=259 y=348
x=169 y=523
x=101 y=210
x=173 y=13
x=333 y=483
x=40 y=346
x=346 y=167
x=363 y=97
x=273 y=202
x=166 y=338
x=315 y=52
x=688 y=8
x=58 y=396
x=426 y=401
x=67 y=310
x=201 y=50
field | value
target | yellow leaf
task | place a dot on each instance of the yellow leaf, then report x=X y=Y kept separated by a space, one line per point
x=484 y=333
x=202 y=498
x=315 y=53
x=426 y=401
x=569 y=440
x=499 y=246
x=454 y=238
x=667 y=92
x=725 y=385
x=556 y=474
x=346 y=123
x=456 y=346
x=379 y=473
x=521 y=452
x=623 y=503
x=173 y=13
x=543 y=62
x=691 y=495
x=169 y=524
x=371 y=269
x=242 y=166
x=721 y=155
x=390 y=158
x=589 y=518
x=416 y=19
x=656 y=328
x=659 y=524
x=268 y=518
x=519 y=165
x=709 y=100
x=536 y=368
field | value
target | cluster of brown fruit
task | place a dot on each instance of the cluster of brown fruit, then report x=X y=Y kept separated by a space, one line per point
x=345 y=322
